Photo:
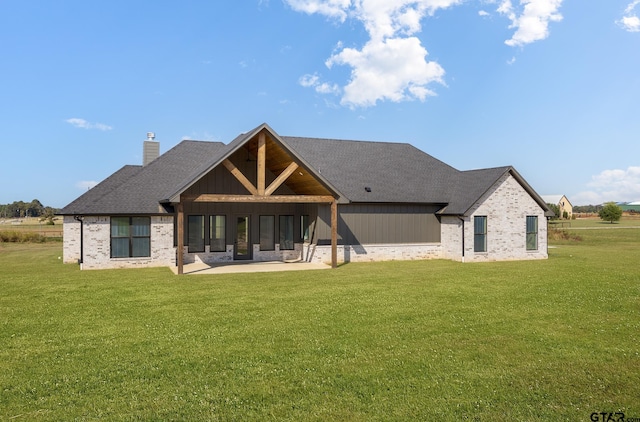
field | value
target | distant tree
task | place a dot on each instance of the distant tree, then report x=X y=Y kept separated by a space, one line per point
x=24 y=209
x=35 y=208
x=586 y=208
x=47 y=216
x=610 y=212
x=555 y=210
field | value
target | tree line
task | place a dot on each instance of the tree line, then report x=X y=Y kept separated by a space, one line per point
x=20 y=209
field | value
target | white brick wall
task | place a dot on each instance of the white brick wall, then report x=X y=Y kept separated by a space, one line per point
x=97 y=244
x=71 y=240
x=208 y=257
x=451 y=237
x=369 y=253
x=506 y=206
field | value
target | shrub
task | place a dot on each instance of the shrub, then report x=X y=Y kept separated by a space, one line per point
x=24 y=237
x=559 y=234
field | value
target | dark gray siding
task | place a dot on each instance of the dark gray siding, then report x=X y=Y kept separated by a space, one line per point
x=254 y=211
x=221 y=181
x=360 y=224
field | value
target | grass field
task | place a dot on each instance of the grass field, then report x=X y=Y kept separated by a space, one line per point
x=421 y=340
x=26 y=228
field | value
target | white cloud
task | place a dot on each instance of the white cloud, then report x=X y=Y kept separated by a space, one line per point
x=392 y=65
x=332 y=8
x=83 y=124
x=630 y=21
x=393 y=69
x=313 y=81
x=611 y=185
x=308 y=81
x=86 y=184
x=530 y=21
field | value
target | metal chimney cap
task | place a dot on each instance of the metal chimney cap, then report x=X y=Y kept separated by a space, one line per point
x=151 y=136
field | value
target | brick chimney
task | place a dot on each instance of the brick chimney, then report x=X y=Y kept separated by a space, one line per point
x=151 y=149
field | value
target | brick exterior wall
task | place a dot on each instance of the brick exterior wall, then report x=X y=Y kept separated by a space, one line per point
x=97 y=244
x=506 y=206
x=208 y=257
x=369 y=253
x=71 y=240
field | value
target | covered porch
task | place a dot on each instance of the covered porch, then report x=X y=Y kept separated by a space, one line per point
x=256 y=202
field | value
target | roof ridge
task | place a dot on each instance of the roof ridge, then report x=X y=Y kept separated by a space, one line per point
x=313 y=138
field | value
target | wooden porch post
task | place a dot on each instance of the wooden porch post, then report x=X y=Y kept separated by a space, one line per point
x=334 y=234
x=180 y=224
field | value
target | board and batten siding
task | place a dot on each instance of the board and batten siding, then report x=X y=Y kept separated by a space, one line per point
x=368 y=224
x=221 y=181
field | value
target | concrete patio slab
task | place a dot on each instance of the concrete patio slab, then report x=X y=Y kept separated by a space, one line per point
x=248 y=267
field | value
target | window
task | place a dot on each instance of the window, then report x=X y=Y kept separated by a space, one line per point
x=195 y=233
x=304 y=228
x=286 y=232
x=480 y=234
x=217 y=232
x=267 y=232
x=532 y=233
x=130 y=237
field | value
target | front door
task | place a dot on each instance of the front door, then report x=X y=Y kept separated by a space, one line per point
x=242 y=241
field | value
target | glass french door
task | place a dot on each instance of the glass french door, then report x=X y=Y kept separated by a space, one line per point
x=242 y=241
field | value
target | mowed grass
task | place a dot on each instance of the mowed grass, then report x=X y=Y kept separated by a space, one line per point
x=421 y=340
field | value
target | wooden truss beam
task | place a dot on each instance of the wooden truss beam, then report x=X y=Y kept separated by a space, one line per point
x=281 y=178
x=241 y=177
x=301 y=199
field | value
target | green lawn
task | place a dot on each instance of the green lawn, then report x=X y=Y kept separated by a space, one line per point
x=421 y=340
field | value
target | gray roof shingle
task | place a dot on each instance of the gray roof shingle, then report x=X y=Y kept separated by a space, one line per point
x=139 y=190
x=392 y=172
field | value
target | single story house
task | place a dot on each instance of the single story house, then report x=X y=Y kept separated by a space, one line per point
x=269 y=197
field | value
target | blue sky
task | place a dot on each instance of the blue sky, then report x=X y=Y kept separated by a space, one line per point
x=551 y=87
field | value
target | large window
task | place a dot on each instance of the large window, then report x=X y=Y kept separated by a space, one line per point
x=267 y=233
x=532 y=233
x=130 y=237
x=195 y=233
x=217 y=233
x=480 y=234
x=286 y=232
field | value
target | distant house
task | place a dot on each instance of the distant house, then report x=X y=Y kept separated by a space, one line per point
x=563 y=203
x=269 y=197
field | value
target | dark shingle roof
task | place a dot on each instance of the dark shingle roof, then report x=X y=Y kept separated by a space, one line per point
x=139 y=190
x=470 y=186
x=392 y=172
